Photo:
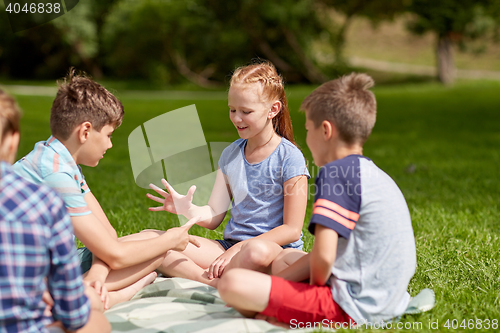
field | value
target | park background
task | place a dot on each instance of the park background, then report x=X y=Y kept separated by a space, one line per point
x=437 y=70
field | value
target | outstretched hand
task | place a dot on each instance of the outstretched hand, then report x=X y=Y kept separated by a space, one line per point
x=172 y=201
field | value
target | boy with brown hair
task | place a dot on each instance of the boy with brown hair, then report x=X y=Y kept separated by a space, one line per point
x=363 y=256
x=83 y=117
x=39 y=269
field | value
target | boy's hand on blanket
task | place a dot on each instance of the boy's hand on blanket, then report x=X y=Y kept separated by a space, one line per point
x=217 y=267
x=49 y=303
x=182 y=237
x=94 y=298
x=172 y=201
x=102 y=291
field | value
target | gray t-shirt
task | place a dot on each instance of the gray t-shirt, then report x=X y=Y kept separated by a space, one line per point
x=376 y=256
x=257 y=189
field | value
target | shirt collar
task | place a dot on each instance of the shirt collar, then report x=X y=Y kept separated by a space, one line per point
x=60 y=149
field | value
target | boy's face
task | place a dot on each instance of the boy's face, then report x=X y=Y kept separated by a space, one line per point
x=316 y=142
x=96 y=145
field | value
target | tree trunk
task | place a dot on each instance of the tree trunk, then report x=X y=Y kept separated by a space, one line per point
x=445 y=61
x=339 y=41
x=200 y=79
x=312 y=73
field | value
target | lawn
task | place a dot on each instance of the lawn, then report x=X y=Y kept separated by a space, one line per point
x=441 y=146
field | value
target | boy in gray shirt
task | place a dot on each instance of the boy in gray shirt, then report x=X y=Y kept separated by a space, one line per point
x=364 y=254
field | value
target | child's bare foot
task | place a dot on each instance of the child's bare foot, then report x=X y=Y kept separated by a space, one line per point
x=127 y=293
x=214 y=282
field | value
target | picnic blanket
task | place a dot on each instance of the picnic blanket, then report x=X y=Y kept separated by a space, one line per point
x=176 y=305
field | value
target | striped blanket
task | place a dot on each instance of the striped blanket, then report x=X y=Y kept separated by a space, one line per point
x=178 y=305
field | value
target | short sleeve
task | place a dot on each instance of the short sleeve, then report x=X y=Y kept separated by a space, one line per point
x=83 y=183
x=72 y=193
x=223 y=161
x=295 y=164
x=230 y=154
x=337 y=199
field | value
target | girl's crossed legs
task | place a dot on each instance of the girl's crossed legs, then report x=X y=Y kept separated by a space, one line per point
x=195 y=263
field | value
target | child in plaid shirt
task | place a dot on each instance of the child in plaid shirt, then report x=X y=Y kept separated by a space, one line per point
x=37 y=251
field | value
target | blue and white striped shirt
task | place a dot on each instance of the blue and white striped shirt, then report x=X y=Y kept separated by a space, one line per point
x=51 y=163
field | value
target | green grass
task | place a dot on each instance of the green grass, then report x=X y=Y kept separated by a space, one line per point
x=441 y=146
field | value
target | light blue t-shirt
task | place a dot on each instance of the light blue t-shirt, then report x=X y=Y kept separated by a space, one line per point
x=51 y=163
x=376 y=255
x=257 y=189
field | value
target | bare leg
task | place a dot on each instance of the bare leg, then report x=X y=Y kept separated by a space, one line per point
x=128 y=292
x=285 y=259
x=247 y=291
x=256 y=255
x=192 y=263
x=123 y=284
x=119 y=279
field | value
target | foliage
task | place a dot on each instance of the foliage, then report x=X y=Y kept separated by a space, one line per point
x=174 y=40
x=462 y=19
x=453 y=22
x=206 y=39
x=375 y=10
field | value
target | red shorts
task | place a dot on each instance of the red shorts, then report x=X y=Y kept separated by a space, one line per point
x=300 y=303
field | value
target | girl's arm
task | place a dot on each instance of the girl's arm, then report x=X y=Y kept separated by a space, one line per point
x=294 y=212
x=211 y=214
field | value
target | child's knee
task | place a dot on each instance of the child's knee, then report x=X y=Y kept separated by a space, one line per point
x=229 y=282
x=258 y=252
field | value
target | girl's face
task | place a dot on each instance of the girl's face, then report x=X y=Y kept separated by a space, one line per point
x=249 y=113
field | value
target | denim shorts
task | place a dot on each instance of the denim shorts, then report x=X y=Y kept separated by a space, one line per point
x=85 y=259
x=227 y=243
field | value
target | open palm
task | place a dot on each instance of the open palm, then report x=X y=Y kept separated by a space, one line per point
x=172 y=201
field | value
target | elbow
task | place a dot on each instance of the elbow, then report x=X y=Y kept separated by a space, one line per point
x=115 y=261
x=295 y=235
x=117 y=264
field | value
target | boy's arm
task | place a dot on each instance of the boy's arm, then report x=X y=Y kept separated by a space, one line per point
x=117 y=255
x=96 y=278
x=97 y=323
x=323 y=254
x=96 y=209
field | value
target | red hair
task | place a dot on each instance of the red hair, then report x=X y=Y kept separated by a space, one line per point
x=273 y=88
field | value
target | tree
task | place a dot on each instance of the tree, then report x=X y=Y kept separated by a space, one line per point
x=454 y=23
x=375 y=10
x=204 y=40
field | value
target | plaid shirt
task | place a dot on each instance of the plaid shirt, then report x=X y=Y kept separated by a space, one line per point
x=36 y=251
